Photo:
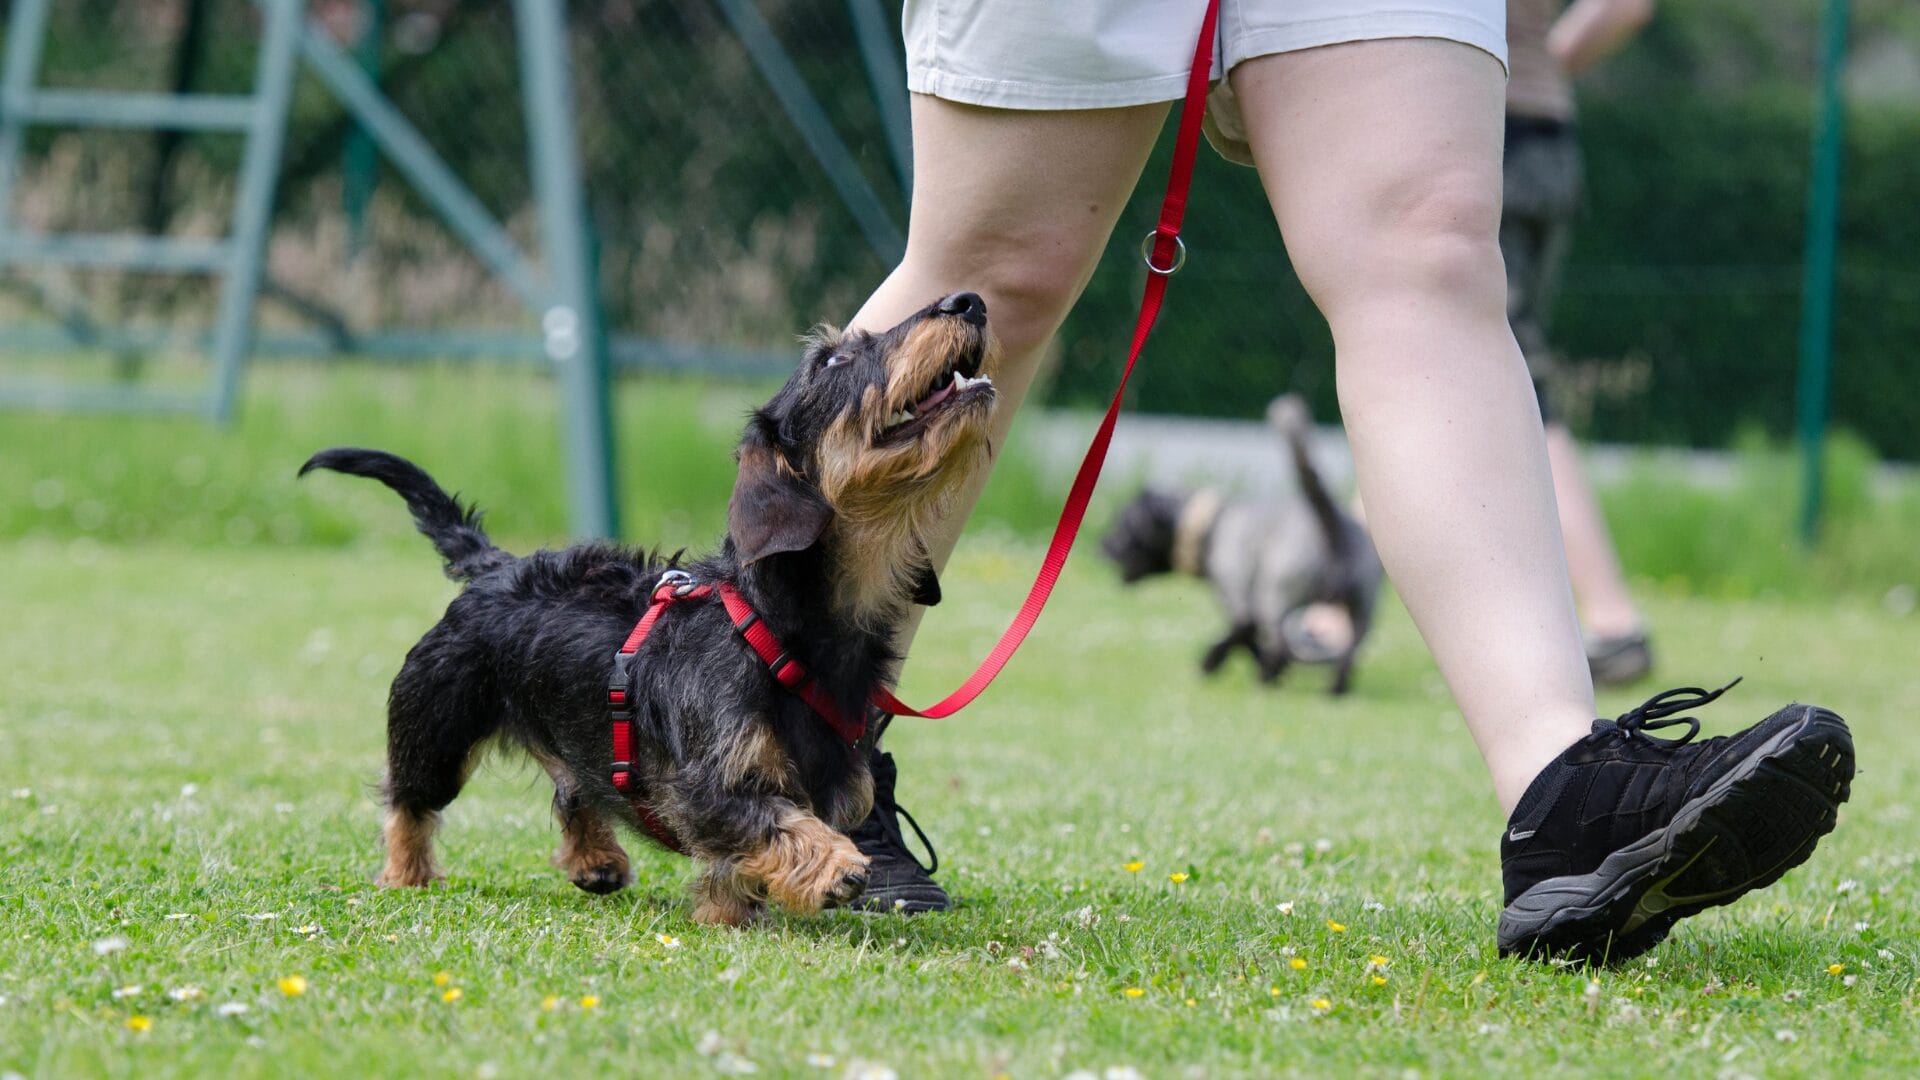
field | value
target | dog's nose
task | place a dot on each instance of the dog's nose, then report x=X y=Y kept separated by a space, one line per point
x=967 y=305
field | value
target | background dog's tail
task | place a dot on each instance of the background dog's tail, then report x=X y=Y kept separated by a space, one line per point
x=1289 y=416
x=454 y=529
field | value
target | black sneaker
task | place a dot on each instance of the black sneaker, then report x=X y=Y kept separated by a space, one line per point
x=1625 y=834
x=1619 y=661
x=896 y=881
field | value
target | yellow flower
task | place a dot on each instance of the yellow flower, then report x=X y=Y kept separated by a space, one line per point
x=1836 y=969
x=1376 y=960
x=452 y=995
x=1321 y=1004
x=293 y=985
x=441 y=978
x=1379 y=980
x=1338 y=928
x=1177 y=876
x=1298 y=963
x=1191 y=1003
x=1133 y=866
x=550 y=1002
x=140 y=1023
x=1134 y=992
x=1274 y=990
x=590 y=1002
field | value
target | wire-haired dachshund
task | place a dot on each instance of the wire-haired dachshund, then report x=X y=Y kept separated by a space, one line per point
x=839 y=476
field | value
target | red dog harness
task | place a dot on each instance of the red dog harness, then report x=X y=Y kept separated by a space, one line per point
x=1164 y=253
x=677 y=585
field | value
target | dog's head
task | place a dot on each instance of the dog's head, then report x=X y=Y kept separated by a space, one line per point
x=867 y=439
x=1141 y=540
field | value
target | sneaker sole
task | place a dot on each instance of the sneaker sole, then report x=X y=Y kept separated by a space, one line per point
x=1754 y=824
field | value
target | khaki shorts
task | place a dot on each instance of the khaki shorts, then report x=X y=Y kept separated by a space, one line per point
x=1096 y=54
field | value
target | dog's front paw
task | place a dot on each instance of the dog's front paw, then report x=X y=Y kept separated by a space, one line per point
x=607 y=877
x=848 y=888
x=808 y=866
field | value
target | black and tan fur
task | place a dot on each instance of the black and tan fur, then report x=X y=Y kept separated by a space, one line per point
x=823 y=539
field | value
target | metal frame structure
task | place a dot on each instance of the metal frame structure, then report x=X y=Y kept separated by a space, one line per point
x=260 y=117
x=562 y=297
x=561 y=292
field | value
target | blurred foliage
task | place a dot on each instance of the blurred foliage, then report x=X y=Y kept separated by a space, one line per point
x=1680 y=303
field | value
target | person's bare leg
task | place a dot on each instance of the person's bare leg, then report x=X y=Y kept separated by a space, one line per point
x=1016 y=206
x=1382 y=160
x=1606 y=607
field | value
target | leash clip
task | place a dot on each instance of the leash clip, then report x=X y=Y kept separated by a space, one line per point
x=1179 y=253
x=679 y=581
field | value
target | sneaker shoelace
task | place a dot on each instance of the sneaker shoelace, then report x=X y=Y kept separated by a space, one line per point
x=889 y=812
x=1658 y=711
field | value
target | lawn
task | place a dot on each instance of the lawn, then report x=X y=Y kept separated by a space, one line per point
x=1155 y=872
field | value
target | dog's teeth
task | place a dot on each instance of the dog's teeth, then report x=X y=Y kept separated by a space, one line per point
x=961 y=382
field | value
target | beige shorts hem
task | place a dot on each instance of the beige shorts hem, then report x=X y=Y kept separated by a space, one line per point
x=1013 y=94
x=1242 y=43
x=1371 y=26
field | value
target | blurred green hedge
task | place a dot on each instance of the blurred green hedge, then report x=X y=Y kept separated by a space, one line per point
x=1679 y=308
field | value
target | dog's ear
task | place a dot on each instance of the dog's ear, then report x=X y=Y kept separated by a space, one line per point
x=926 y=584
x=773 y=509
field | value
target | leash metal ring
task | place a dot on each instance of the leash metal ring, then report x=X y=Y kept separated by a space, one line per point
x=1179 y=254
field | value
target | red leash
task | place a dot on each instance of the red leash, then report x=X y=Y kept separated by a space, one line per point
x=1165 y=257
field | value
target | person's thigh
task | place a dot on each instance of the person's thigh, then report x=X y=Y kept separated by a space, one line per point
x=1016 y=205
x=1382 y=162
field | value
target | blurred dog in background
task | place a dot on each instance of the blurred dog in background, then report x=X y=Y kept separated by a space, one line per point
x=1267 y=561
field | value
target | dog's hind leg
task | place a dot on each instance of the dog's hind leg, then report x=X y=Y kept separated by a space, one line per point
x=1273 y=657
x=1239 y=635
x=589 y=852
x=1360 y=614
x=437 y=715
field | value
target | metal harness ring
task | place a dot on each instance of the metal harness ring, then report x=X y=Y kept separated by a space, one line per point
x=1179 y=254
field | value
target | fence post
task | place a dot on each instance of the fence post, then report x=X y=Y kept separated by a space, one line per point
x=575 y=340
x=1816 y=291
x=360 y=162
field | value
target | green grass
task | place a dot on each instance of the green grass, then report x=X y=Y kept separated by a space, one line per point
x=193 y=729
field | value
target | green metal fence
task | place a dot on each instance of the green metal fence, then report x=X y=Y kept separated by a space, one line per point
x=743 y=171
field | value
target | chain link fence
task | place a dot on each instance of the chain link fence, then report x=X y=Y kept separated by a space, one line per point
x=724 y=229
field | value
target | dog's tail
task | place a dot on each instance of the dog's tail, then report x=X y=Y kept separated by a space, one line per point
x=1288 y=415
x=454 y=529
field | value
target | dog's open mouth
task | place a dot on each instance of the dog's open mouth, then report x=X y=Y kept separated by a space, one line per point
x=958 y=384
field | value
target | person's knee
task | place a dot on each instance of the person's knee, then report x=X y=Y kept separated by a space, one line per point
x=1029 y=279
x=1435 y=235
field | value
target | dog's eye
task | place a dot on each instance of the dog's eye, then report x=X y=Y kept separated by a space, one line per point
x=835 y=360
